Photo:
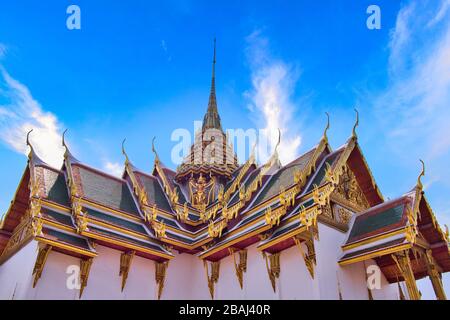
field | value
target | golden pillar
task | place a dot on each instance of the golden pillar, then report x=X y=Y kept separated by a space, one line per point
x=404 y=265
x=435 y=276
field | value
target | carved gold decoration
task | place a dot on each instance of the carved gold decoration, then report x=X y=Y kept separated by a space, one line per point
x=150 y=214
x=273 y=267
x=35 y=207
x=160 y=228
x=182 y=214
x=40 y=262
x=233 y=211
x=77 y=207
x=37 y=225
x=215 y=229
x=70 y=180
x=125 y=263
x=264 y=236
x=85 y=268
x=435 y=275
x=308 y=217
x=348 y=191
x=273 y=216
x=310 y=256
x=237 y=181
x=411 y=233
x=403 y=263
x=160 y=275
x=22 y=233
x=214 y=277
x=34 y=186
x=201 y=192
x=344 y=215
x=240 y=267
x=82 y=222
x=173 y=195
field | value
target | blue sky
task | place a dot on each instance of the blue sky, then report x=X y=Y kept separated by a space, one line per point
x=141 y=69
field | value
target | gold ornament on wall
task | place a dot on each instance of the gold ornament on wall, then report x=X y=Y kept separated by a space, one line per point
x=240 y=267
x=160 y=275
x=273 y=267
x=212 y=278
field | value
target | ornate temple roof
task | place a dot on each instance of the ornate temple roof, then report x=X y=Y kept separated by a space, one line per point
x=213 y=208
x=211 y=154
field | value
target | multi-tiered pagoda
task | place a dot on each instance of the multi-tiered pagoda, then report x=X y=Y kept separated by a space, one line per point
x=316 y=228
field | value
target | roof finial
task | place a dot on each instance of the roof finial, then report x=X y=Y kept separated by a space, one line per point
x=356 y=124
x=326 y=128
x=124 y=152
x=279 y=140
x=63 y=139
x=29 y=143
x=154 y=150
x=422 y=174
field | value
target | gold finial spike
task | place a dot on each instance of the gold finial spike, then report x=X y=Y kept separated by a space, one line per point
x=29 y=143
x=327 y=127
x=422 y=174
x=63 y=139
x=124 y=152
x=356 y=124
x=154 y=149
x=279 y=140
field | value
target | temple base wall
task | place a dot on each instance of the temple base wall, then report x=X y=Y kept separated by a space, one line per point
x=186 y=277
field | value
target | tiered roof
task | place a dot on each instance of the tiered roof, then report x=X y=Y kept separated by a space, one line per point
x=271 y=205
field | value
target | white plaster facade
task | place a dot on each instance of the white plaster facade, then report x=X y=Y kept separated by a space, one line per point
x=186 y=278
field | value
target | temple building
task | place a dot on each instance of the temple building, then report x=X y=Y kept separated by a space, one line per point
x=214 y=228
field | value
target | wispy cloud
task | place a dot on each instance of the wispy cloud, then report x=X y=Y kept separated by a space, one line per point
x=414 y=109
x=273 y=82
x=21 y=113
x=114 y=168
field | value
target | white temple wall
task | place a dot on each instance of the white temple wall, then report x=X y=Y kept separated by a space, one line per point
x=16 y=273
x=53 y=281
x=352 y=277
x=105 y=282
x=186 y=278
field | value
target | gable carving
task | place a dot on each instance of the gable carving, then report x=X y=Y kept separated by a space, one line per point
x=349 y=193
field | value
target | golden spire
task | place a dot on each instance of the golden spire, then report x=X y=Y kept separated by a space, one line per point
x=355 y=125
x=422 y=174
x=326 y=128
x=212 y=118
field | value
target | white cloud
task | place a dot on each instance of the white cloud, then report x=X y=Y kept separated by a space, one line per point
x=414 y=109
x=22 y=113
x=270 y=98
x=114 y=168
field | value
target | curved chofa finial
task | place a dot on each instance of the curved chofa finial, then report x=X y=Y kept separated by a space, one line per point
x=279 y=140
x=29 y=143
x=356 y=124
x=154 y=150
x=327 y=127
x=422 y=174
x=124 y=152
x=63 y=139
